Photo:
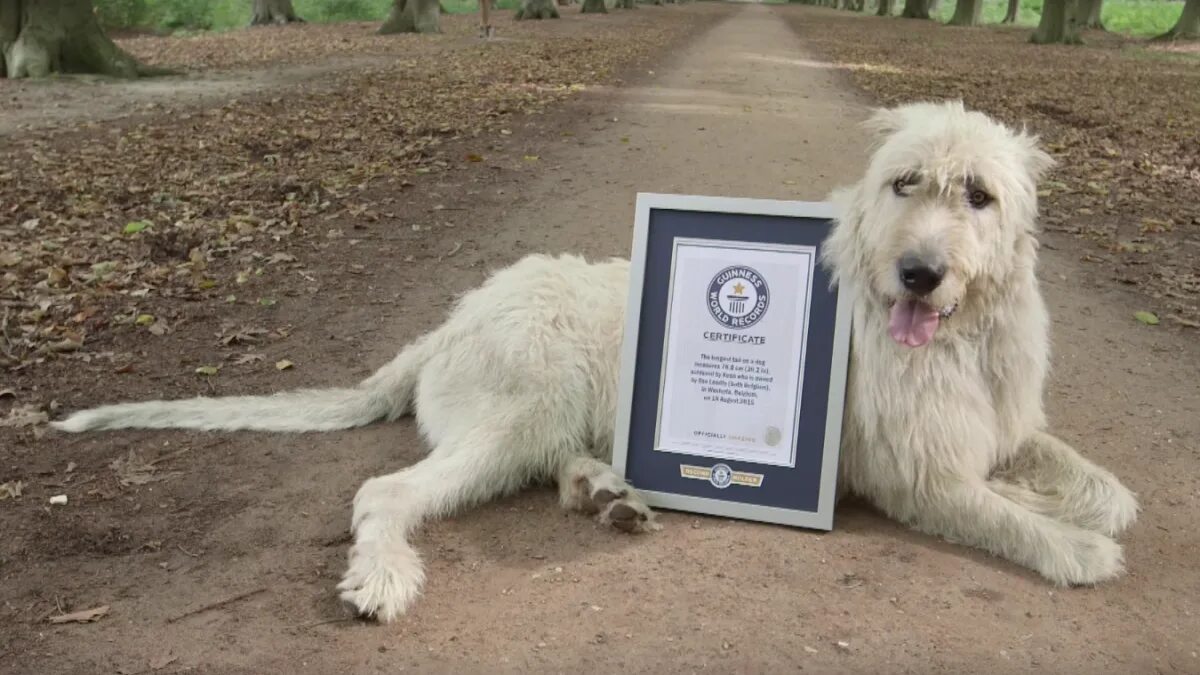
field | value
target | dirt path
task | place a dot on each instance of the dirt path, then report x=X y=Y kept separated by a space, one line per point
x=522 y=586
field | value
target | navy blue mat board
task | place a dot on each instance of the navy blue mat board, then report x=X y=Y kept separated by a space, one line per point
x=799 y=496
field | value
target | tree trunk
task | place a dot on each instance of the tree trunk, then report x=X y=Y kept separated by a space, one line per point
x=1058 y=23
x=278 y=12
x=967 y=13
x=915 y=9
x=1087 y=14
x=1188 y=26
x=886 y=8
x=413 y=16
x=594 y=7
x=626 y=4
x=536 y=9
x=40 y=37
x=1011 y=15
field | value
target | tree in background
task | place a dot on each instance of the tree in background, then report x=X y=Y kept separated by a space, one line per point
x=594 y=6
x=967 y=13
x=1088 y=14
x=625 y=4
x=413 y=16
x=915 y=9
x=268 y=12
x=1011 y=15
x=536 y=9
x=40 y=37
x=885 y=8
x=1059 y=23
x=1188 y=26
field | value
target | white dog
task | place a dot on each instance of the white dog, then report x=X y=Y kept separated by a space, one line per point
x=944 y=426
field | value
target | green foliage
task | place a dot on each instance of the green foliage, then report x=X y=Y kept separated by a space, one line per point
x=188 y=15
x=1141 y=17
x=123 y=13
x=469 y=6
x=1133 y=17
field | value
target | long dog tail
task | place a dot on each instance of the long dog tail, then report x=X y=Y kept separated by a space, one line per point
x=387 y=394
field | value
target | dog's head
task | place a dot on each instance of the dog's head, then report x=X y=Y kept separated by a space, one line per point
x=947 y=207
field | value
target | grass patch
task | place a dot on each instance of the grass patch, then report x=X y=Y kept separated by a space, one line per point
x=1132 y=17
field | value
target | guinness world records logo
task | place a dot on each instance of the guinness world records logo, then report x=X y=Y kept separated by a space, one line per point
x=738 y=297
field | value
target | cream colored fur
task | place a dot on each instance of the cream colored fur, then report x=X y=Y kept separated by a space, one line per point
x=519 y=384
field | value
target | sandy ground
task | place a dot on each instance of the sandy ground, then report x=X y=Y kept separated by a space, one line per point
x=519 y=585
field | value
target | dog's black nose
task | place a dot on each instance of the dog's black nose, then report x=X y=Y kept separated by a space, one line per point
x=918 y=276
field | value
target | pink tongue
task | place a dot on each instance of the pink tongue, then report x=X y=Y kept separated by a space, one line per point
x=912 y=322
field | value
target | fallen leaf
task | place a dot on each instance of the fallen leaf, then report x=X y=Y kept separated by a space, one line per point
x=136 y=226
x=244 y=335
x=1148 y=318
x=84 y=616
x=248 y=358
x=207 y=370
x=27 y=415
x=11 y=490
x=133 y=469
x=1153 y=225
x=103 y=269
x=531 y=158
x=162 y=662
x=66 y=345
x=144 y=319
x=283 y=365
x=474 y=158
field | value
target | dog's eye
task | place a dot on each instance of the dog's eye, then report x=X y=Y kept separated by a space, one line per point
x=899 y=184
x=979 y=198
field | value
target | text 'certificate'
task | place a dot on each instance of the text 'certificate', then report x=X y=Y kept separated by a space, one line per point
x=737 y=324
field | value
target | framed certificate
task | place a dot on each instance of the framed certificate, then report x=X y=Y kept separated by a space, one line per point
x=733 y=367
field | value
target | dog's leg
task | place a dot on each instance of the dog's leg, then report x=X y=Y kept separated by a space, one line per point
x=967 y=511
x=1050 y=477
x=385 y=573
x=586 y=484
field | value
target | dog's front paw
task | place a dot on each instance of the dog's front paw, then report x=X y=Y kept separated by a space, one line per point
x=1083 y=557
x=1120 y=509
x=625 y=511
x=382 y=581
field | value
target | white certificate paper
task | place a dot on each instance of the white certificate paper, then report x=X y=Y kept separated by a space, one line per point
x=733 y=362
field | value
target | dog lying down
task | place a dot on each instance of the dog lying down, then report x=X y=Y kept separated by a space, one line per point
x=944 y=427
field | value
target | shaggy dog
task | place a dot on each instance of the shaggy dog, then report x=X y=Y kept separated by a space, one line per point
x=944 y=428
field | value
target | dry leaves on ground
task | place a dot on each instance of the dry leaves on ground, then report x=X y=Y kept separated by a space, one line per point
x=83 y=616
x=113 y=227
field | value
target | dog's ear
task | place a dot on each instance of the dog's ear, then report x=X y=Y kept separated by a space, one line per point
x=1037 y=161
x=884 y=122
x=838 y=252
